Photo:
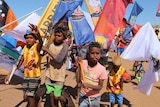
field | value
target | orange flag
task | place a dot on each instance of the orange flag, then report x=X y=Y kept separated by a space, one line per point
x=10 y=17
x=110 y=19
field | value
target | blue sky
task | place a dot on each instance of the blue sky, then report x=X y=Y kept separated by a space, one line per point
x=23 y=7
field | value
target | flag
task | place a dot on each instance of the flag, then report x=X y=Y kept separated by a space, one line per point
x=46 y=17
x=150 y=77
x=136 y=10
x=158 y=11
x=143 y=46
x=7 y=16
x=64 y=9
x=19 y=31
x=82 y=31
x=126 y=34
x=110 y=19
x=136 y=28
x=95 y=8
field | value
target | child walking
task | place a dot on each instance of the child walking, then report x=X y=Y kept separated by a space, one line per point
x=115 y=82
x=93 y=76
x=55 y=75
x=31 y=60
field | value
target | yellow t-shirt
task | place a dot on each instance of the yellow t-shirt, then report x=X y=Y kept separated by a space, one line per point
x=31 y=62
x=114 y=79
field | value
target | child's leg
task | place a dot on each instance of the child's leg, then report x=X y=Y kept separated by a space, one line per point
x=31 y=101
x=112 y=99
x=52 y=100
x=119 y=98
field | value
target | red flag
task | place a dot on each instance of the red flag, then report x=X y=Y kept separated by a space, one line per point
x=111 y=18
x=158 y=11
x=136 y=28
x=6 y=16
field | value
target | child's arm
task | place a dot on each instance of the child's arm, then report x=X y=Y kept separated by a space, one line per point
x=16 y=66
x=44 y=48
x=94 y=87
x=36 y=32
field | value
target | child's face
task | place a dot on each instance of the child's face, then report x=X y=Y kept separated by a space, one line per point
x=94 y=54
x=58 y=38
x=30 y=40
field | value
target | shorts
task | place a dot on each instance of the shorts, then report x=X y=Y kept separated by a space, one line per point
x=120 y=50
x=115 y=98
x=54 y=87
x=85 y=101
x=30 y=86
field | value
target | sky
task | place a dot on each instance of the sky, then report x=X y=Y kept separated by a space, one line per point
x=23 y=7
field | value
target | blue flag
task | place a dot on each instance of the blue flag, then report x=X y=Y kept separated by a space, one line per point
x=81 y=28
x=136 y=10
x=64 y=9
x=126 y=34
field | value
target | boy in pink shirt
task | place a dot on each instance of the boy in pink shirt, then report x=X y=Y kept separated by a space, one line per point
x=93 y=76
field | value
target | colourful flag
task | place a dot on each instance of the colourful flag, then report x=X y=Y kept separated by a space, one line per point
x=64 y=9
x=158 y=11
x=136 y=10
x=46 y=17
x=6 y=16
x=95 y=8
x=82 y=31
x=110 y=19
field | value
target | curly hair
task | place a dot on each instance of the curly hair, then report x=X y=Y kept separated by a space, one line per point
x=94 y=44
x=62 y=30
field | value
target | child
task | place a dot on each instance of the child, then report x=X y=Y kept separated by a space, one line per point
x=55 y=75
x=94 y=75
x=115 y=82
x=120 y=43
x=31 y=60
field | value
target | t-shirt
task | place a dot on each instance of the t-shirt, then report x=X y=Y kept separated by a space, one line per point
x=114 y=80
x=57 y=67
x=32 y=61
x=92 y=76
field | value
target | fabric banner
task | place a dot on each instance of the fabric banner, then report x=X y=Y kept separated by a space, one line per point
x=151 y=76
x=111 y=19
x=7 y=16
x=64 y=9
x=94 y=8
x=82 y=31
x=143 y=45
x=136 y=10
x=46 y=17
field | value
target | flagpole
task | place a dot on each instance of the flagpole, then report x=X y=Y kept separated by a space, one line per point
x=20 y=18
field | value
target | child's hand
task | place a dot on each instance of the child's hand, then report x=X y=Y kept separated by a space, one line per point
x=34 y=29
x=44 y=48
x=85 y=85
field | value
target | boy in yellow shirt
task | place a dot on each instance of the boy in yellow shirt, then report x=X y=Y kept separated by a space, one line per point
x=30 y=58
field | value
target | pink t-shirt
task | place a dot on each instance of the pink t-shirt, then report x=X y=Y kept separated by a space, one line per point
x=92 y=76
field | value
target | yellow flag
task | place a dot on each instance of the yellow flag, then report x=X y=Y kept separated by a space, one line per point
x=94 y=8
x=47 y=17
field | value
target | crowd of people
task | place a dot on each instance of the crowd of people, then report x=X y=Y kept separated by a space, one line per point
x=89 y=60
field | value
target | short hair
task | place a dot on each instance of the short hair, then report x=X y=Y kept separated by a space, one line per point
x=62 y=30
x=94 y=44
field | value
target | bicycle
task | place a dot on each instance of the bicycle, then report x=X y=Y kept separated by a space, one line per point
x=139 y=70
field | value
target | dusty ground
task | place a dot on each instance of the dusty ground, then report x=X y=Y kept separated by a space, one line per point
x=12 y=96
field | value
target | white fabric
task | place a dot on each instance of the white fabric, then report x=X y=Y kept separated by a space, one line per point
x=144 y=45
x=150 y=76
x=19 y=31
